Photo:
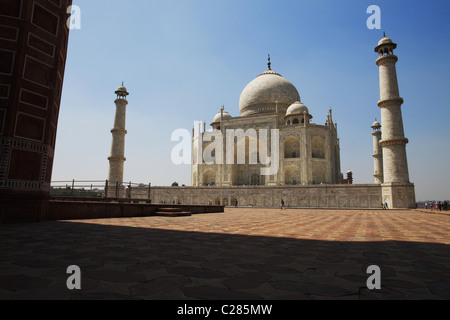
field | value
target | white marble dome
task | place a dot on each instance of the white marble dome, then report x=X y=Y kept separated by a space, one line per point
x=263 y=94
x=226 y=116
x=296 y=108
x=122 y=90
x=385 y=40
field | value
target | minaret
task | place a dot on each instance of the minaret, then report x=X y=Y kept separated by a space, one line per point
x=117 y=158
x=396 y=189
x=395 y=166
x=377 y=153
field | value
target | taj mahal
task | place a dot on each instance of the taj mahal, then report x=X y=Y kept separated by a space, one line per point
x=305 y=154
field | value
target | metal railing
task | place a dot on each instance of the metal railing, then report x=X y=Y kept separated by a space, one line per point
x=100 y=189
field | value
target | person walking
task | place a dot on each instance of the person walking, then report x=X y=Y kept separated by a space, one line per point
x=282 y=205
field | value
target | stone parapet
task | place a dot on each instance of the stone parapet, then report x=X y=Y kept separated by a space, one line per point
x=309 y=196
x=359 y=196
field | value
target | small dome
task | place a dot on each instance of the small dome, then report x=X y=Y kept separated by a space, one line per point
x=376 y=124
x=385 y=40
x=296 y=108
x=122 y=90
x=226 y=116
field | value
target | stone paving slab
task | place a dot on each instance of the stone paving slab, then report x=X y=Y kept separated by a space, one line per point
x=243 y=253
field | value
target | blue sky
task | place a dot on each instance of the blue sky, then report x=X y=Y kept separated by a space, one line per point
x=182 y=60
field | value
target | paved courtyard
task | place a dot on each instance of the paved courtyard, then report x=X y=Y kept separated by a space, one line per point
x=243 y=253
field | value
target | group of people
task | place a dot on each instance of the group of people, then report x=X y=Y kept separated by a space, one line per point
x=437 y=205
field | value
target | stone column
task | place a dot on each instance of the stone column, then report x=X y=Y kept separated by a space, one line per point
x=377 y=153
x=395 y=165
x=33 y=50
x=397 y=191
x=117 y=158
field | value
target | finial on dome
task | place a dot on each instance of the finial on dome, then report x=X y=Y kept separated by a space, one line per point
x=269 y=63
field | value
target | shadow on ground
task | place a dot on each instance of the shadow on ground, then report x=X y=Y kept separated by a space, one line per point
x=137 y=263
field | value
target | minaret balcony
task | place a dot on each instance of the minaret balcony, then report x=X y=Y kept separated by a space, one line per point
x=121 y=131
x=117 y=159
x=401 y=141
x=395 y=101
